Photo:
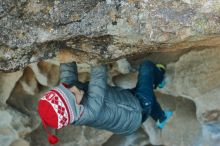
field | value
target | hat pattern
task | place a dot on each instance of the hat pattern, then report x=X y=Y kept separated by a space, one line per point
x=56 y=98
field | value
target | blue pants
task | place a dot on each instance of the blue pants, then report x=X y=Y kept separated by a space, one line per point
x=149 y=75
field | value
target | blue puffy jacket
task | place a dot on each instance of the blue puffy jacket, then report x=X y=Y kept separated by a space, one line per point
x=105 y=107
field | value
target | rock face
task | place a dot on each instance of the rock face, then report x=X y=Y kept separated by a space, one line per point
x=34 y=30
x=37 y=35
x=196 y=76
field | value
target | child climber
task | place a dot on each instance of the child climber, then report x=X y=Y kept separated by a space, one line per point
x=99 y=105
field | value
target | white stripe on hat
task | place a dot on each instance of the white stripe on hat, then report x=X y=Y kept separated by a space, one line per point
x=67 y=103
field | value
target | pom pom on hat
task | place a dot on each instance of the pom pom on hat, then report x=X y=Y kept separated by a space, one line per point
x=53 y=139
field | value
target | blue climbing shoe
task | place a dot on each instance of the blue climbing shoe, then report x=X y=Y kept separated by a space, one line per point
x=162 y=68
x=168 y=115
x=162 y=84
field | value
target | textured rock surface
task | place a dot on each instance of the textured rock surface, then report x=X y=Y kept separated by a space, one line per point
x=196 y=76
x=139 y=138
x=34 y=30
x=183 y=129
x=71 y=136
x=36 y=36
x=8 y=80
x=20 y=142
x=12 y=126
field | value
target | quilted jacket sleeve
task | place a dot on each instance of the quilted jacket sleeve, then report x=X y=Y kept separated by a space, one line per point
x=68 y=73
x=96 y=93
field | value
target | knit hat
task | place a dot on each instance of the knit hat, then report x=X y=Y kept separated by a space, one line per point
x=58 y=108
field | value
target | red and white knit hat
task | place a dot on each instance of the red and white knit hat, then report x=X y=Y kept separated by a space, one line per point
x=58 y=108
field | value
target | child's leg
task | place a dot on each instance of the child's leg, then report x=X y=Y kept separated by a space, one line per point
x=148 y=75
x=157 y=113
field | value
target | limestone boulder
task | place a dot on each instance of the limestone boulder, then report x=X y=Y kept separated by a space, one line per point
x=182 y=129
x=70 y=136
x=36 y=36
x=7 y=136
x=13 y=125
x=8 y=80
x=20 y=142
x=105 y=30
x=7 y=133
x=196 y=76
x=139 y=138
